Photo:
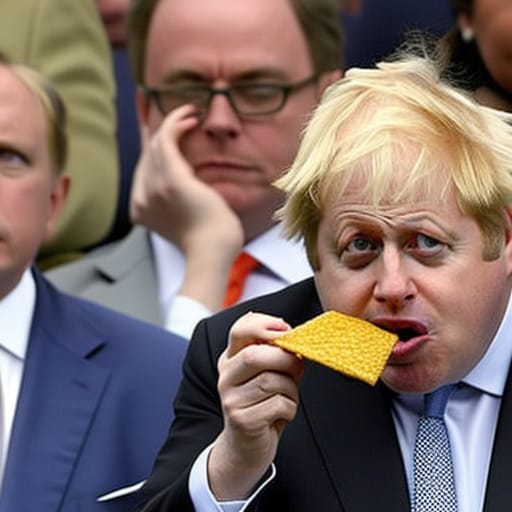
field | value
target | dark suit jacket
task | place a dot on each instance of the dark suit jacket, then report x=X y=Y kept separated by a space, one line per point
x=340 y=453
x=94 y=406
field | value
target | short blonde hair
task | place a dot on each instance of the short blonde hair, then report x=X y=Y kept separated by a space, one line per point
x=53 y=107
x=370 y=118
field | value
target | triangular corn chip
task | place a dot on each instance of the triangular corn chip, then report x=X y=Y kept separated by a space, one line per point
x=344 y=343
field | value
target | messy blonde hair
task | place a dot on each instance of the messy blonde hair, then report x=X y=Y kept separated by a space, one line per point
x=370 y=119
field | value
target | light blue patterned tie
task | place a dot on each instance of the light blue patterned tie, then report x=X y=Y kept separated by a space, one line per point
x=434 y=482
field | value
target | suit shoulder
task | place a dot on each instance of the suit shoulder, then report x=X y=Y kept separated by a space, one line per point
x=295 y=304
x=103 y=320
x=105 y=316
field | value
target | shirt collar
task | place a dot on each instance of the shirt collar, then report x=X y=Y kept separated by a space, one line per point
x=490 y=373
x=16 y=311
x=291 y=266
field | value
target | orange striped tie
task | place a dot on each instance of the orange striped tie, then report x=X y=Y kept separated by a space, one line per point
x=241 y=268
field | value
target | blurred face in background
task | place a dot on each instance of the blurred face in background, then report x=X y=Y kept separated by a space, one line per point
x=31 y=191
x=491 y=24
x=223 y=43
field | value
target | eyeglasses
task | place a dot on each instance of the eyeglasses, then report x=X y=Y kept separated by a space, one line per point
x=246 y=99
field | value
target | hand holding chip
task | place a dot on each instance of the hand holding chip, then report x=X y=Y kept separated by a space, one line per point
x=258 y=387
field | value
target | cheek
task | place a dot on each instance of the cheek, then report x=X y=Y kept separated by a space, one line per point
x=37 y=203
x=496 y=50
x=285 y=143
x=276 y=143
x=342 y=290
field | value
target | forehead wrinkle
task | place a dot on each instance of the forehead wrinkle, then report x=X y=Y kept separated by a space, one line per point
x=261 y=73
x=409 y=221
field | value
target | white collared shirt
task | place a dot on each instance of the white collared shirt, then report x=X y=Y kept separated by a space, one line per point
x=283 y=262
x=16 y=312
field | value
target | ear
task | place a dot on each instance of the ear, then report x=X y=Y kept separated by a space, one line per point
x=326 y=79
x=58 y=196
x=508 y=241
x=142 y=107
x=465 y=26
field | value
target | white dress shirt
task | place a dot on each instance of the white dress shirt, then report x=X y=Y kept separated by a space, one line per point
x=16 y=311
x=471 y=416
x=282 y=262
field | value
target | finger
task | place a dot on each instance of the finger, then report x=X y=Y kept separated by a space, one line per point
x=277 y=410
x=166 y=156
x=144 y=135
x=179 y=121
x=252 y=363
x=254 y=328
x=259 y=389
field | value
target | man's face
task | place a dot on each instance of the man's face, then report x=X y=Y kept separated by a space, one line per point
x=418 y=270
x=492 y=23
x=30 y=192
x=223 y=43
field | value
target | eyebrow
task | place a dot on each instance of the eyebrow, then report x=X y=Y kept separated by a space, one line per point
x=244 y=76
x=411 y=220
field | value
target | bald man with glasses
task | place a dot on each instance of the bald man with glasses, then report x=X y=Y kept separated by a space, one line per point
x=224 y=91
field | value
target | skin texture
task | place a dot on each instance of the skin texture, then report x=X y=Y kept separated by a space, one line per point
x=206 y=182
x=403 y=267
x=31 y=193
x=491 y=23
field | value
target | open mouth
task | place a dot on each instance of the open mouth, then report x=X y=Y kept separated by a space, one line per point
x=406 y=330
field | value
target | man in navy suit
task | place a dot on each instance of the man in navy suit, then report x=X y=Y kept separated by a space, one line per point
x=86 y=394
x=402 y=192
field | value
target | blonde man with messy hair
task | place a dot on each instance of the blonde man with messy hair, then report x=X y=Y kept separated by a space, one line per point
x=372 y=119
x=402 y=190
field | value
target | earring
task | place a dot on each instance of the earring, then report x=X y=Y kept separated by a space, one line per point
x=467 y=34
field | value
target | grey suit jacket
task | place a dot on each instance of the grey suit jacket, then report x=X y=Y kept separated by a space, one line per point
x=120 y=275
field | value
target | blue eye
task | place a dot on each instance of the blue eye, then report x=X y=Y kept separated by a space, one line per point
x=427 y=242
x=424 y=246
x=359 y=252
x=360 y=244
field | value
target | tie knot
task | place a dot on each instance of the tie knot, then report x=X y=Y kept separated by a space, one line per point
x=435 y=402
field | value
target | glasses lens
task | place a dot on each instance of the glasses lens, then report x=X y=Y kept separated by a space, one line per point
x=257 y=99
x=174 y=97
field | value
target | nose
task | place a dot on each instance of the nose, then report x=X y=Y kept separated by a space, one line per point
x=394 y=285
x=220 y=119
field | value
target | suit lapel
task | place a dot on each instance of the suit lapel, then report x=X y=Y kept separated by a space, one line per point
x=60 y=393
x=498 y=495
x=127 y=268
x=356 y=436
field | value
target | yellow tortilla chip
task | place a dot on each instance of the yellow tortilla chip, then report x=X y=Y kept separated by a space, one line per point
x=344 y=343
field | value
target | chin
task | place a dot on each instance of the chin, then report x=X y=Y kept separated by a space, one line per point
x=410 y=379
